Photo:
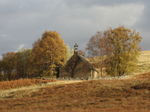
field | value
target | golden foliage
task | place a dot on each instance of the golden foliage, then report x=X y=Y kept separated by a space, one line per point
x=48 y=53
x=15 y=65
x=122 y=50
x=118 y=49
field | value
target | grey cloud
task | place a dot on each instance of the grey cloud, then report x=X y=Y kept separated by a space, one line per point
x=89 y=3
x=143 y=26
x=145 y=22
x=23 y=21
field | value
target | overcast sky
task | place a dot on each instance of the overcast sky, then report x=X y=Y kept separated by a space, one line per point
x=23 y=21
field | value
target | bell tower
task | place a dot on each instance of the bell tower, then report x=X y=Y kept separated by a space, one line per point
x=76 y=48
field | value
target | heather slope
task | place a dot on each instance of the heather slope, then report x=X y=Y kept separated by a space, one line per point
x=125 y=95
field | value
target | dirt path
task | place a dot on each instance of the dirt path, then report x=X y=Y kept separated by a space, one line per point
x=23 y=91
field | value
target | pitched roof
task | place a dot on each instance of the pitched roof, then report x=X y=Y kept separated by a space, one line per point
x=77 y=57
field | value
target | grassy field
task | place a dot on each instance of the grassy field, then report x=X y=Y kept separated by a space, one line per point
x=22 y=83
x=122 y=95
x=143 y=62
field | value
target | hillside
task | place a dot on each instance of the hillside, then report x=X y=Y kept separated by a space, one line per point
x=127 y=95
x=144 y=62
x=143 y=65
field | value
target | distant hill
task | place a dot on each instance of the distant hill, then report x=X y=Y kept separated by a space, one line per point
x=144 y=62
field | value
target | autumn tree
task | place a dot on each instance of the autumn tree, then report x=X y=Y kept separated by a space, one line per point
x=95 y=47
x=15 y=65
x=48 y=54
x=23 y=63
x=70 y=52
x=122 y=49
x=8 y=63
x=1 y=75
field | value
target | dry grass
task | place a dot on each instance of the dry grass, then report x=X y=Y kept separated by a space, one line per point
x=21 y=83
x=128 y=95
x=27 y=90
x=144 y=62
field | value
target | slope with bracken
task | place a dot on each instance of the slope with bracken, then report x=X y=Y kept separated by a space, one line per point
x=127 y=95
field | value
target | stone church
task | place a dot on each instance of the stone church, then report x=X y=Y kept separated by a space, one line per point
x=78 y=67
